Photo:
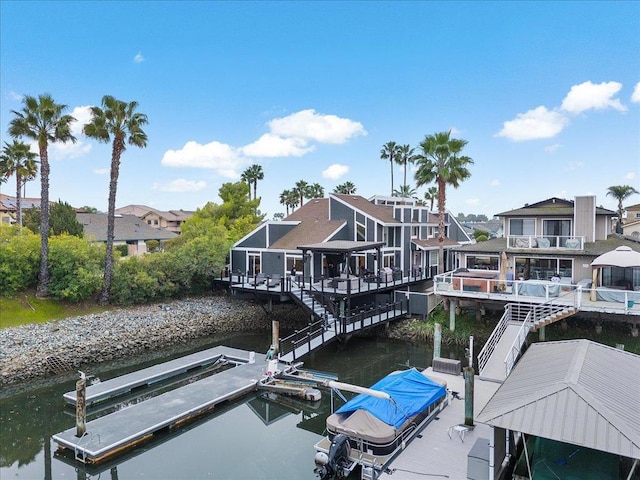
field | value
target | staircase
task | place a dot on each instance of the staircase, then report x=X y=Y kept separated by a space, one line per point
x=315 y=307
x=510 y=335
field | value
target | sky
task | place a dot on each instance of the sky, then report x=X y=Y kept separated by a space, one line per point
x=547 y=95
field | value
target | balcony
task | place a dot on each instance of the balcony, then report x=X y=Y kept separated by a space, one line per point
x=546 y=242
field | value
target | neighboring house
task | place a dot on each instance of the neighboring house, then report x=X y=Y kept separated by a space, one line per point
x=129 y=230
x=8 y=212
x=492 y=227
x=631 y=226
x=633 y=213
x=551 y=238
x=405 y=231
x=170 y=220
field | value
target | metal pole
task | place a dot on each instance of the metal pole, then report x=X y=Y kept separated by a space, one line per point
x=81 y=405
x=468 y=396
x=437 y=340
x=471 y=351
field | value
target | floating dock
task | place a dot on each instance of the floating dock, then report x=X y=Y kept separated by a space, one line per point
x=123 y=384
x=122 y=430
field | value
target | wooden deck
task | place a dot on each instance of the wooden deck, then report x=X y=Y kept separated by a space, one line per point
x=114 y=433
x=434 y=454
x=123 y=384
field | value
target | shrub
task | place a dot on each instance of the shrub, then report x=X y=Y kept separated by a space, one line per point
x=19 y=260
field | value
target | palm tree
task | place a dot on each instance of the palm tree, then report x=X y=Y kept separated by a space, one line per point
x=16 y=159
x=346 y=188
x=430 y=195
x=440 y=162
x=390 y=151
x=42 y=119
x=251 y=175
x=302 y=190
x=120 y=121
x=292 y=199
x=315 y=191
x=621 y=193
x=407 y=155
x=283 y=199
x=405 y=191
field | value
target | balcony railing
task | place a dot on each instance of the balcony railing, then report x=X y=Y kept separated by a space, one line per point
x=546 y=241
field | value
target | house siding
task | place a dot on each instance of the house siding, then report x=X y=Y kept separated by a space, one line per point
x=257 y=240
x=238 y=261
x=585 y=219
x=272 y=262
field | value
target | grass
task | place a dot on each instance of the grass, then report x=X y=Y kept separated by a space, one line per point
x=466 y=325
x=24 y=309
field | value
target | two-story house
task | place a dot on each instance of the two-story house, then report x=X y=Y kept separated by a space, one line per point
x=554 y=238
x=170 y=220
x=631 y=225
x=404 y=231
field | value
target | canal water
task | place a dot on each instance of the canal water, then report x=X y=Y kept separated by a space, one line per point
x=256 y=437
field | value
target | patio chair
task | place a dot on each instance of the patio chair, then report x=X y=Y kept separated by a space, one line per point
x=259 y=279
x=274 y=280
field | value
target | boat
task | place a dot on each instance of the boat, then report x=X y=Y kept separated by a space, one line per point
x=374 y=426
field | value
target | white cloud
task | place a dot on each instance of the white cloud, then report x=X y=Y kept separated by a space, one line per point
x=472 y=202
x=455 y=131
x=552 y=148
x=495 y=183
x=83 y=116
x=537 y=123
x=309 y=125
x=220 y=157
x=591 y=96
x=631 y=176
x=15 y=95
x=269 y=145
x=335 y=171
x=100 y=171
x=635 y=96
x=577 y=165
x=138 y=58
x=69 y=150
x=180 y=185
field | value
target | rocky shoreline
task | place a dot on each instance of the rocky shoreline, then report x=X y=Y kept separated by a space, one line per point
x=39 y=350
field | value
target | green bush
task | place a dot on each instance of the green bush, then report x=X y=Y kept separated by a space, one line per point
x=121 y=250
x=76 y=267
x=19 y=260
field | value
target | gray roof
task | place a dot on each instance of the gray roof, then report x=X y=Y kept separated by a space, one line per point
x=551 y=207
x=341 y=246
x=127 y=228
x=577 y=392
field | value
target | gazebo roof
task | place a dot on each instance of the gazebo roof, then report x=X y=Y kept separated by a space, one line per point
x=341 y=246
x=620 y=257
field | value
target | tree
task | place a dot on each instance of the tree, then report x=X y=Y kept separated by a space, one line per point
x=405 y=191
x=119 y=123
x=289 y=198
x=278 y=216
x=430 y=195
x=302 y=190
x=346 y=188
x=251 y=175
x=315 y=191
x=407 y=155
x=62 y=219
x=42 y=120
x=440 y=161
x=620 y=193
x=16 y=159
x=390 y=151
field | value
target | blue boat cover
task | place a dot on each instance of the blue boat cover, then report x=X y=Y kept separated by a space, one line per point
x=411 y=392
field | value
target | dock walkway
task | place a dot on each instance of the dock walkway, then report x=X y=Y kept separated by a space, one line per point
x=125 y=383
x=113 y=433
x=435 y=454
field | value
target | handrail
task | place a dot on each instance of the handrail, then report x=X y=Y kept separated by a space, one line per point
x=494 y=338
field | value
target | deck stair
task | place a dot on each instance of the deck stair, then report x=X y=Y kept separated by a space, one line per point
x=557 y=313
x=320 y=311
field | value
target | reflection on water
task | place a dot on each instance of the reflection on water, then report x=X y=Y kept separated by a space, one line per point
x=260 y=436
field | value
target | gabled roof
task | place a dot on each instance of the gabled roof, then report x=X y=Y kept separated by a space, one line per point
x=127 y=228
x=577 y=392
x=314 y=226
x=553 y=206
x=382 y=213
x=142 y=211
x=8 y=203
x=432 y=243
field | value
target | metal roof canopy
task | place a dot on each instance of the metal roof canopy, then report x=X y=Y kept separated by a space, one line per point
x=341 y=246
x=578 y=392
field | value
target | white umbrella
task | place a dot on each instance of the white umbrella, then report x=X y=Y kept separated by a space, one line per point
x=620 y=257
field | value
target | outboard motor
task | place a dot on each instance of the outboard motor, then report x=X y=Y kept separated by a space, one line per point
x=336 y=464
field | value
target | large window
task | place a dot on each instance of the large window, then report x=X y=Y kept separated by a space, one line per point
x=482 y=262
x=556 y=228
x=522 y=226
x=361 y=232
x=543 y=268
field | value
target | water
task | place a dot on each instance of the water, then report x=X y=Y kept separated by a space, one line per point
x=253 y=438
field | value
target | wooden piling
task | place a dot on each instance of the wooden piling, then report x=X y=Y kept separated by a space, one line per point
x=468 y=395
x=275 y=336
x=81 y=405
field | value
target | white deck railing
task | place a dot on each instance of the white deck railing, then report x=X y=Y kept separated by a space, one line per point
x=564 y=242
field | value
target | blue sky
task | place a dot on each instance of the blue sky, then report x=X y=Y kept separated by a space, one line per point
x=546 y=93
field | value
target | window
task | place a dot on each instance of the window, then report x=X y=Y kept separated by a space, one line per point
x=556 y=228
x=361 y=232
x=415 y=232
x=254 y=263
x=482 y=262
x=522 y=226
